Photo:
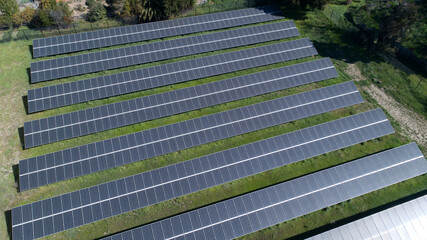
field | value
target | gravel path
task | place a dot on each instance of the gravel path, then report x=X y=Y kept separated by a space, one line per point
x=413 y=124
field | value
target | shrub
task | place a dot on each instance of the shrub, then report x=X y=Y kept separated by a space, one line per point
x=96 y=12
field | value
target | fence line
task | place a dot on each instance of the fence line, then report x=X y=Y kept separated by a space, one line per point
x=33 y=33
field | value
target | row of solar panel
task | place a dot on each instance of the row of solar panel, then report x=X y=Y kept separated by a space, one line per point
x=136 y=33
x=267 y=207
x=86 y=215
x=114 y=152
x=102 y=201
x=127 y=82
x=339 y=127
x=151 y=52
x=404 y=221
x=105 y=117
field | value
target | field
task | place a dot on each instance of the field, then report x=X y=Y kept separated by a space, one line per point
x=332 y=37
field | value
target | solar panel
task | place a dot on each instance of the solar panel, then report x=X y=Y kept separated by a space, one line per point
x=78 y=161
x=127 y=82
x=170 y=182
x=142 y=32
x=157 y=51
x=174 y=102
x=267 y=207
x=404 y=221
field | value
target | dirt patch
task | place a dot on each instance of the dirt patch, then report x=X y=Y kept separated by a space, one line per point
x=413 y=124
x=354 y=71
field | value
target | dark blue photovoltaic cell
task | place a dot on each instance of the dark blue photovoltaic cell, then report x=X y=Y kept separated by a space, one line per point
x=100 y=118
x=134 y=147
x=157 y=51
x=285 y=201
x=200 y=173
x=146 y=78
x=147 y=31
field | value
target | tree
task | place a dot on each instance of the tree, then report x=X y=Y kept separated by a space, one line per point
x=52 y=12
x=390 y=19
x=172 y=8
x=66 y=12
x=152 y=10
x=43 y=19
x=297 y=4
x=24 y=17
x=57 y=16
x=90 y=3
x=145 y=10
x=116 y=6
x=96 y=12
x=8 y=8
x=28 y=14
x=17 y=19
x=149 y=10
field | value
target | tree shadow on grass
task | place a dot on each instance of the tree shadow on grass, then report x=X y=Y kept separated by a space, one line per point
x=8 y=218
x=25 y=103
x=343 y=53
x=21 y=137
x=29 y=75
x=30 y=48
x=294 y=14
x=15 y=171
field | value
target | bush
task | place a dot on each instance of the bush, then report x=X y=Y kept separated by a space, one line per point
x=96 y=12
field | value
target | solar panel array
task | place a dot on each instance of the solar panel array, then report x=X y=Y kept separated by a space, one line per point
x=105 y=117
x=134 y=147
x=226 y=219
x=151 y=52
x=127 y=82
x=142 y=32
x=404 y=221
x=269 y=206
x=105 y=200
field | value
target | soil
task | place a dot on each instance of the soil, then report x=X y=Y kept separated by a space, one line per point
x=413 y=124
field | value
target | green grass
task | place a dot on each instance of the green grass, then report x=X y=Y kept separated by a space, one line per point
x=402 y=86
x=331 y=40
x=25 y=32
x=218 y=6
x=234 y=188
